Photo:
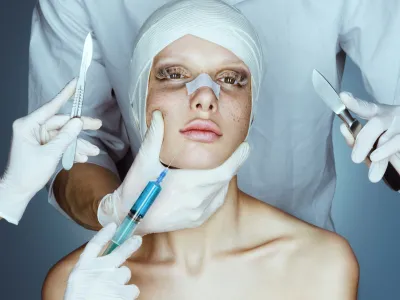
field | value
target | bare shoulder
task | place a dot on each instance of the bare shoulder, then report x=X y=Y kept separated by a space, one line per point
x=55 y=283
x=325 y=248
x=316 y=263
x=326 y=260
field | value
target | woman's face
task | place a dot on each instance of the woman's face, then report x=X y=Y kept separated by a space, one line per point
x=200 y=131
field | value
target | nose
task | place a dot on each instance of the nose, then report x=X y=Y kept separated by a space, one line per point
x=204 y=100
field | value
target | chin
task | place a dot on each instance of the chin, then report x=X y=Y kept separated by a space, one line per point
x=197 y=159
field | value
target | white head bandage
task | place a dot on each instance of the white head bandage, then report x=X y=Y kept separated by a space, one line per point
x=203 y=80
x=212 y=20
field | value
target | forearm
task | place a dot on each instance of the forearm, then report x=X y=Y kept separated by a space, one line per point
x=79 y=191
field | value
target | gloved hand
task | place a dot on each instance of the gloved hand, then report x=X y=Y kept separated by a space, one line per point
x=102 y=278
x=38 y=142
x=380 y=118
x=188 y=198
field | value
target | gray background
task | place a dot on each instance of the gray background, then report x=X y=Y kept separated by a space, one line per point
x=365 y=213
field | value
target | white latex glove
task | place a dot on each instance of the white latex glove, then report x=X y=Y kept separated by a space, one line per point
x=102 y=278
x=188 y=197
x=38 y=142
x=380 y=118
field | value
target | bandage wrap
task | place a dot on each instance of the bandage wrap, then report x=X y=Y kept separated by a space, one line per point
x=212 y=20
x=203 y=80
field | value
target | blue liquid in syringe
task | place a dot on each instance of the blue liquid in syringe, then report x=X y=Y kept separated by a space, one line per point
x=137 y=213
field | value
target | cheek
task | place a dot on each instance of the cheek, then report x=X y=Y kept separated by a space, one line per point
x=156 y=100
x=165 y=99
x=237 y=113
x=172 y=104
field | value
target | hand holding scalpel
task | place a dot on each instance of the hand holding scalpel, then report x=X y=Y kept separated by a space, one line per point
x=69 y=154
x=332 y=100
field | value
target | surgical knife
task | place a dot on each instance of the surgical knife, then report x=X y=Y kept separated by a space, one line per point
x=328 y=94
x=69 y=155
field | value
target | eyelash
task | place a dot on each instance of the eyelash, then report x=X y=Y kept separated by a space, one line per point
x=166 y=73
x=240 y=79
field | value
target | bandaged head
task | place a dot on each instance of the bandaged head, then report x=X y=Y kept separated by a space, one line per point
x=211 y=20
x=189 y=195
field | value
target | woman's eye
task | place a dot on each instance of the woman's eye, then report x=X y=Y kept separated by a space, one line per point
x=171 y=73
x=229 y=80
x=233 y=78
x=175 y=76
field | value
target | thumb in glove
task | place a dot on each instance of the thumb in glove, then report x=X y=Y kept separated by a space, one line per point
x=68 y=133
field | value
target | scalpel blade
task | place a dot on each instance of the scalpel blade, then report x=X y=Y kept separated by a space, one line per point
x=69 y=155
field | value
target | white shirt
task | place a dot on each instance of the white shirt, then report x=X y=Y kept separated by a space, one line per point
x=291 y=165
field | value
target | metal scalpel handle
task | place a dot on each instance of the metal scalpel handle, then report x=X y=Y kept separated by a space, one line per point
x=391 y=176
x=69 y=156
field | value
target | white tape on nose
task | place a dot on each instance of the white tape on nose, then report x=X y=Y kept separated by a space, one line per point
x=203 y=80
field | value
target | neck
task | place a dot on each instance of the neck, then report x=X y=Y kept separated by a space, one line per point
x=193 y=246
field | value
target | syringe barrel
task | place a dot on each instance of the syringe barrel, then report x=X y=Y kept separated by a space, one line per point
x=135 y=215
x=125 y=230
x=137 y=212
x=146 y=199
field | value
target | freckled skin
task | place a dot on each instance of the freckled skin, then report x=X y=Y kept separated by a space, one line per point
x=232 y=110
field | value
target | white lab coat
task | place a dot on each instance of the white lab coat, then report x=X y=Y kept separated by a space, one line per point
x=291 y=165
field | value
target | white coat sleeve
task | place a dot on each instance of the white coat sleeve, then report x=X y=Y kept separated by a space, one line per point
x=59 y=28
x=370 y=36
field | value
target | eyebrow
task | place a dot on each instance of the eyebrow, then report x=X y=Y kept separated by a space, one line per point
x=167 y=60
x=183 y=61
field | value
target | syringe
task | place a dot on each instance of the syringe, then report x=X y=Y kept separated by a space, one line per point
x=137 y=213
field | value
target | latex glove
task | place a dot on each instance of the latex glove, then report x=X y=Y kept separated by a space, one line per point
x=38 y=142
x=188 y=197
x=380 y=118
x=102 y=278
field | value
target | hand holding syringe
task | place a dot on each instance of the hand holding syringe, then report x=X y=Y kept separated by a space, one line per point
x=189 y=198
x=138 y=211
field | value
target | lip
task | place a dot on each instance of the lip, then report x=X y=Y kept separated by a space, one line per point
x=204 y=131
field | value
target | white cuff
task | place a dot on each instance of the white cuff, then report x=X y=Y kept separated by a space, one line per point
x=107 y=212
x=12 y=205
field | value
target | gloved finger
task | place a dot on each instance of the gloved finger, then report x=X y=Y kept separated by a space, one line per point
x=366 y=139
x=113 y=291
x=231 y=166
x=91 y=123
x=211 y=207
x=377 y=170
x=151 y=146
x=219 y=174
x=66 y=135
x=122 y=275
x=387 y=149
x=80 y=158
x=58 y=121
x=123 y=252
x=98 y=242
x=86 y=148
x=44 y=135
x=47 y=134
x=364 y=109
x=125 y=292
x=393 y=128
x=119 y=276
x=348 y=137
x=46 y=111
